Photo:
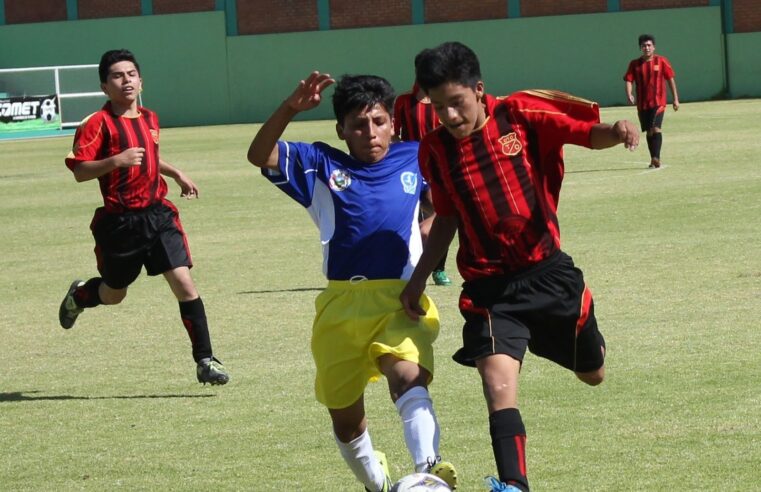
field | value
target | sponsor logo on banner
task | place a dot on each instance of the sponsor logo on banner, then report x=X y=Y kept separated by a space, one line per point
x=26 y=108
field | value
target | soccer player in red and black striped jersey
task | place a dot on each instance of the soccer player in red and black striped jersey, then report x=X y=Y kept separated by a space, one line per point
x=495 y=168
x=650 y=73
x=413 y=118
x=136 y=226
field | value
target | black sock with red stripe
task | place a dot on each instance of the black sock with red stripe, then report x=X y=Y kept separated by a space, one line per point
x=193 y=317
x=649 y=139
x=508 y=440
x=657 y=142
x=87 y=295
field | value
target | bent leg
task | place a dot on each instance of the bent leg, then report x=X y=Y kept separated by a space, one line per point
x=407 y=383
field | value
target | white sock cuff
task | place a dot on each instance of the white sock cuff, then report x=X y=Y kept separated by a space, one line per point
x=412 y=394
x=354 y=443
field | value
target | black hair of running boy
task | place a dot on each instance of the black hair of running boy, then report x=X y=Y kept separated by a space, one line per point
x=354 y=92
x=449 y=62
x=645 y=38
x=114 y=56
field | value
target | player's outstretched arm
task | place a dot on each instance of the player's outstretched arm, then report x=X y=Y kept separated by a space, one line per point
x=442 y=232
x=621 y=132
x=263 y=150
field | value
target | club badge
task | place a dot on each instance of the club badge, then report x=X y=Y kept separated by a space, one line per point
x=339 y=180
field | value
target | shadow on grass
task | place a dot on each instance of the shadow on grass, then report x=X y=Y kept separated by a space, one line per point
x=29 y=396
x=300 y=289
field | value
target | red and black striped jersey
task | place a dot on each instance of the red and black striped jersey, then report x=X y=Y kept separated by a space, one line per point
x=650 y=77
x=503 y=180
x=102 y=135
x=413 y=118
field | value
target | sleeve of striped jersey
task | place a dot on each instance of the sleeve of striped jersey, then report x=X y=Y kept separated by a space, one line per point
x=442 y=204
x=297 y=171
x=629 y=75
x=668 y=70
x=558 y=118
x=88 y=140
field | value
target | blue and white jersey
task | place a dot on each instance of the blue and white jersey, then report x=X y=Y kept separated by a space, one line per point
x=367 y=214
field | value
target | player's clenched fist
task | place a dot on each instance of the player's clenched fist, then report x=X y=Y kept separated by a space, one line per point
x=130 y=157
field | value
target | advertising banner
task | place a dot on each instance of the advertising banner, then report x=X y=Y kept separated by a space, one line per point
x=29 y=113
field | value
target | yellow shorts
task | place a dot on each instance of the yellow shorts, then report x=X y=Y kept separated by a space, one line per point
x=356 y=323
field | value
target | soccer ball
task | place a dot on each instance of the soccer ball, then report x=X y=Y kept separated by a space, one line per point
x=420 y=482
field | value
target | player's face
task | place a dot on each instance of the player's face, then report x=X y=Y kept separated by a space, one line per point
x=460 y=108
x=367 y=132
x=123 y=83
x=648 y=48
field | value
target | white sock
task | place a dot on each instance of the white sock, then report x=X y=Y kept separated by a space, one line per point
x=361 y=459
x=421 y=430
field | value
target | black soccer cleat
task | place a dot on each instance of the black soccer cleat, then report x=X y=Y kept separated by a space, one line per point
x=69 y=310
x=211 y=371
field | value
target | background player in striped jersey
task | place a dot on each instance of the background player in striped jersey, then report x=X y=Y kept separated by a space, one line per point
x=495 y=167
x=413 y=118
x=365 y=205
x=650 y=73
x=137 y=226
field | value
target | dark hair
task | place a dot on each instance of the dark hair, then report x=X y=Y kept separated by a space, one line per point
x=114 y=56
x=448 y=62
x=360 y=92
x=646 y=37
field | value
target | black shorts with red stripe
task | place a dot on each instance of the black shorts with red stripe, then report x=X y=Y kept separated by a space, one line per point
x=547 y=309
x=651 y=118
x=125 y=242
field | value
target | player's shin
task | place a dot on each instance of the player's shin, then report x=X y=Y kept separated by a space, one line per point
x=508 y=436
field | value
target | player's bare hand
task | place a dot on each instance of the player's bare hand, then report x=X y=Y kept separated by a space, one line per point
x=627 y=133
x=675 y=105
x=308 y=94
x=188 y=188
x=630 y=97
x=410 y=299
x=130 y=157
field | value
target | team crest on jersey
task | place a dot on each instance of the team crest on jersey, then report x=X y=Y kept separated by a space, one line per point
x=339 y=180
x=409 y=182
x=510 y=144
x=155 y=135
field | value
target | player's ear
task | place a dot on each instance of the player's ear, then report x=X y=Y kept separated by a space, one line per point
x=479 y=90
x=103 y=88
x=340 y=131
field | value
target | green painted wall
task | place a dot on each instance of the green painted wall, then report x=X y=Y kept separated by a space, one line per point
x=744 y=62
x=583 y=54
x=182 y=58
x=194 y=74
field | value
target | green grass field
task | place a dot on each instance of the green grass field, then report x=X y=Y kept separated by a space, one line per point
x=672 y=257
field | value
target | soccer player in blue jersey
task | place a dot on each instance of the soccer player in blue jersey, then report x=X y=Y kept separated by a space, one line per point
x=365 y=205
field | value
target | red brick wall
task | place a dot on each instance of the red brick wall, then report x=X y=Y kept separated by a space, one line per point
x=661 y=4
x=533 y=8
x=350 y=13
x=459 y=10
x=746 y=15
x=97 y=9
x=178 y=6
x=271 y=16
x=22 y=11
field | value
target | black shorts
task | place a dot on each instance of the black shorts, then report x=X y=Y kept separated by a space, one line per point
x=547 y=309
x=651 y=118
x=124 y=242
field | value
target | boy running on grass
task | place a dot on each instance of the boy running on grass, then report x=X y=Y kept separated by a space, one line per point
x=137 y=226
x=365 y=205
x=495 y=167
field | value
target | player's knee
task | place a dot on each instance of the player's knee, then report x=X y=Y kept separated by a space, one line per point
x=592 y=378
x=111 y=296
